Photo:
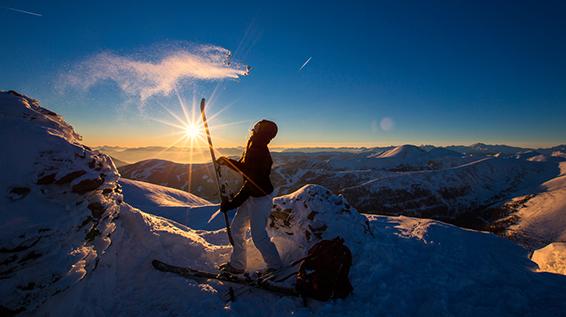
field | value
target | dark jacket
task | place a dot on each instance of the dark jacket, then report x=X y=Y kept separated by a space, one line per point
x=255 y=167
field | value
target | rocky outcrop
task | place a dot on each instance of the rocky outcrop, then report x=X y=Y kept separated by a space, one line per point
x=58 y=215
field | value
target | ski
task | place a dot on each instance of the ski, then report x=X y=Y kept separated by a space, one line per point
x=190 y=273
x=222 y=186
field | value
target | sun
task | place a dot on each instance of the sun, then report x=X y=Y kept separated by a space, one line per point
x=192 y=131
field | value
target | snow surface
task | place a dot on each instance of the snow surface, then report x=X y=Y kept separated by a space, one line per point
x=406 y=151
x=54 y=225
x=551 y=258
x=182 y=207
x=155 y=195
x=409 y=267
x=451 y=191
x=542 y=219
x=401 y=266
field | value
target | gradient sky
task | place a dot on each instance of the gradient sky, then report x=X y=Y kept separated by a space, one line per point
x=444 y=72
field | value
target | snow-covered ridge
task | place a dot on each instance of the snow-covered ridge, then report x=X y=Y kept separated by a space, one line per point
x=449 y=192
x=176 y=175
x=155 y=195
x=57 y=207
x=406 y=151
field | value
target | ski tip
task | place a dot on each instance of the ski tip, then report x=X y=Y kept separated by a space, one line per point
x=202 y=103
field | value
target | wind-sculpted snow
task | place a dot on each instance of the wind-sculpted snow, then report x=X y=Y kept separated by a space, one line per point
x=57 y=206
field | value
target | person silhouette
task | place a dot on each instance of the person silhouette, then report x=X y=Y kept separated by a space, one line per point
x=253 y=201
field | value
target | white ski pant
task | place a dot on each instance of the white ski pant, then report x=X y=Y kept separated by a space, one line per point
x=255 y=212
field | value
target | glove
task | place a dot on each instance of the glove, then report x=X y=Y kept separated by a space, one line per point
x=226 y=206
x=222 y=160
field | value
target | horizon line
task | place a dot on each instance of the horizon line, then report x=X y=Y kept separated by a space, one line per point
x=339 y=146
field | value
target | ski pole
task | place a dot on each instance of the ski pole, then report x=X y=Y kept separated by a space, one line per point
x=217 y=170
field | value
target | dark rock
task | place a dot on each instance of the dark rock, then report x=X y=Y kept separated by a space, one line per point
x=93 y=233
x=17 y=193
x=87 y=185
x=86 y=221
x=97 y=209
x=48 y=112
x=46 y=180
x=70 y=177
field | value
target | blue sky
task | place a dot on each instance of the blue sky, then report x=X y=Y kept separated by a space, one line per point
x=444 y=72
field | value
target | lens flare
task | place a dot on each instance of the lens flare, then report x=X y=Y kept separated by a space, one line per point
x=193 y=131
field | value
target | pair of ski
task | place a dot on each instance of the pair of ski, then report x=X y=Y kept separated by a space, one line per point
x=266 y=283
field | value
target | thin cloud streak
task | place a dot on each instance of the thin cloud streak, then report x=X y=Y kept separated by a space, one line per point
x=24 y=11
x=305 y=64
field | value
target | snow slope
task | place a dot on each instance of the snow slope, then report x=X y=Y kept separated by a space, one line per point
x=449 y=192
x=174 y=204
x=404 y=152
x=155 y=195
x=542 y=218
x=551 y=258
x=200 y=181
x=408 y=267
x=99 y=263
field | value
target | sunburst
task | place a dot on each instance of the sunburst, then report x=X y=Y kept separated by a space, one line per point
x=190 y=129
x=193 y=131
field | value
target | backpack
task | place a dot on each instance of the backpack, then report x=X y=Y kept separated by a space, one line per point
x=323 y=275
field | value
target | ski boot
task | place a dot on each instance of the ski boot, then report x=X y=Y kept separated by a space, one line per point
x=227 y=268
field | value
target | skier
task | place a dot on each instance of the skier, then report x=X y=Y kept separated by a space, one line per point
x=254 y=200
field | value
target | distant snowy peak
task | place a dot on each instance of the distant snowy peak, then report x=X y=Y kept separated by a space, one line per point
x=448 y=193
x=486 y=149
x=200 y=181
x=408 y=152
x=404 y=152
